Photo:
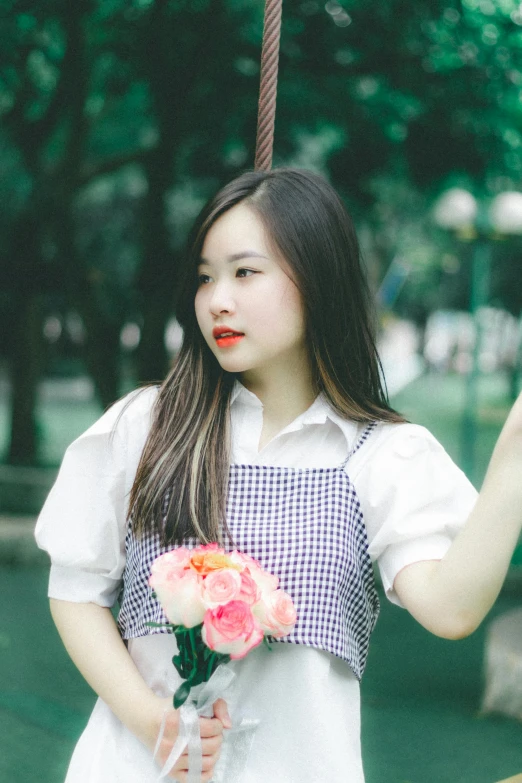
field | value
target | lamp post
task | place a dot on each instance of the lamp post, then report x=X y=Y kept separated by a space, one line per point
x=458 y=211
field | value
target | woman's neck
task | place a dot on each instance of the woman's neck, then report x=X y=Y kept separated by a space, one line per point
x=284 y=395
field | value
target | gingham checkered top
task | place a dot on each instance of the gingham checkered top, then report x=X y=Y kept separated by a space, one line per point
x=306 y=526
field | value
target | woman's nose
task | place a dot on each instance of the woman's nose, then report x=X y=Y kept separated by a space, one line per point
x=221 y=300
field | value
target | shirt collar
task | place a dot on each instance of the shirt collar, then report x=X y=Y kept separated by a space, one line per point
x=319 y=412
x=244 y=396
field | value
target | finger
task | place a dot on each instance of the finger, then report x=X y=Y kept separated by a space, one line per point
x=209 y=746
x=212 y=745
x=207 y=770
x=221 y=712
x=210 y=727
x=164 y=753
x=208 y=763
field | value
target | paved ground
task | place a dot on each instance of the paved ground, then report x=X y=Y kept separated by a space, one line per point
x=421 y=698
x=421 y=695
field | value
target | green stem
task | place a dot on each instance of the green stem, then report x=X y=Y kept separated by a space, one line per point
x=210 y=665
x=193 y=644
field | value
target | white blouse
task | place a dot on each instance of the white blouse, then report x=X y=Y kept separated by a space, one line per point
x=414 y=500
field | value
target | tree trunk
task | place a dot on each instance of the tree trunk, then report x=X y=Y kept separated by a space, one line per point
x=30 y=276
x=26 y=370
x=102 y=350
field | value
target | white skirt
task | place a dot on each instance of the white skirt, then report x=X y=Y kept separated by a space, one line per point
x=306 y=701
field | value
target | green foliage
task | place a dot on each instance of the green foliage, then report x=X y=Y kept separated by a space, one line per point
x=195 y=662
x=181 y=694
x=267 y=643
x=119 y=117
x=436 y=84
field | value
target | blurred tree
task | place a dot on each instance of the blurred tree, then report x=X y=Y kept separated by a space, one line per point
x=44 y=83
x=86 y=90
x=195 y=45
x=121 y=116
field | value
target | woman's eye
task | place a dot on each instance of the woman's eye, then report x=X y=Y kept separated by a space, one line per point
x=203 y=279
x=244 y=272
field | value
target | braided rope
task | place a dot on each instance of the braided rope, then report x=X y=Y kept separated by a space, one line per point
x=268 y=87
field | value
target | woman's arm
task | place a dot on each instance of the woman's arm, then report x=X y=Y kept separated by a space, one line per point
x=452 y=596
x=91 y=638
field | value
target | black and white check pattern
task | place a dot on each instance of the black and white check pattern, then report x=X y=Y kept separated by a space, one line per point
x=306 y=526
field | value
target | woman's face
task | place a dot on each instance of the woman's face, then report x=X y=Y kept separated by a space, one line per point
x=248 y=309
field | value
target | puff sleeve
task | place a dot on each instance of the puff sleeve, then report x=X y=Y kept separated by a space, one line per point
x=82 y=524
x=414 y=498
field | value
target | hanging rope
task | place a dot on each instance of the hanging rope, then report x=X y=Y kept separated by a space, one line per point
x=268 y=87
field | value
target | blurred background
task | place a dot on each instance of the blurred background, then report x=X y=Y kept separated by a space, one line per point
x=118 y=118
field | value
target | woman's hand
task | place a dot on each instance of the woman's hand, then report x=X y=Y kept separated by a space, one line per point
x=93 y=641
x=211 y=732
x=507 y=455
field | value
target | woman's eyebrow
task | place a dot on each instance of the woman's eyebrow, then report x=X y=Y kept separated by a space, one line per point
x=237 y=257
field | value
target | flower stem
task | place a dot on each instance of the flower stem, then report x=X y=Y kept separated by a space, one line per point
x=193 y=644
x=210 y=665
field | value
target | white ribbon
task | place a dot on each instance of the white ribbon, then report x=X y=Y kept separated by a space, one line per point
x=189 y=732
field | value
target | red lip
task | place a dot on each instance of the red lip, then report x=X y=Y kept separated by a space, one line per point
x=217 y=331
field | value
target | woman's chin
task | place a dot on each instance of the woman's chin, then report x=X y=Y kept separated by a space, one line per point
x=233 y=364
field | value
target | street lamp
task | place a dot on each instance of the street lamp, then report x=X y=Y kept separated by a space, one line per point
x=458 y=211
x=506 y=213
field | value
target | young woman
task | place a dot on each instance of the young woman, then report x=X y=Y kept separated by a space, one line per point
x=272 y=434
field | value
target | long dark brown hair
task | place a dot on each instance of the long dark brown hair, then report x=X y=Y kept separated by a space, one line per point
x=181 y=482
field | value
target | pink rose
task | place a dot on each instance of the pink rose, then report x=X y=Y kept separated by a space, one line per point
x=222 y=586
x=169 y=567
x=250 y=592
x=178 y=558
x=265 y=581
x=231 y=629
x=179 y=593
x=276 y=613
x=245 y=560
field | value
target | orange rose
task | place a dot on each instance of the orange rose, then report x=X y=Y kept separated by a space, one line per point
x=211 y=558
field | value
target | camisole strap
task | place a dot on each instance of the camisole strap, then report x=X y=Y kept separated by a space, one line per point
x=364 y=436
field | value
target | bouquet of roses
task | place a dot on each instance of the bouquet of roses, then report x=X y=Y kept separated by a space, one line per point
x=219 y=606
